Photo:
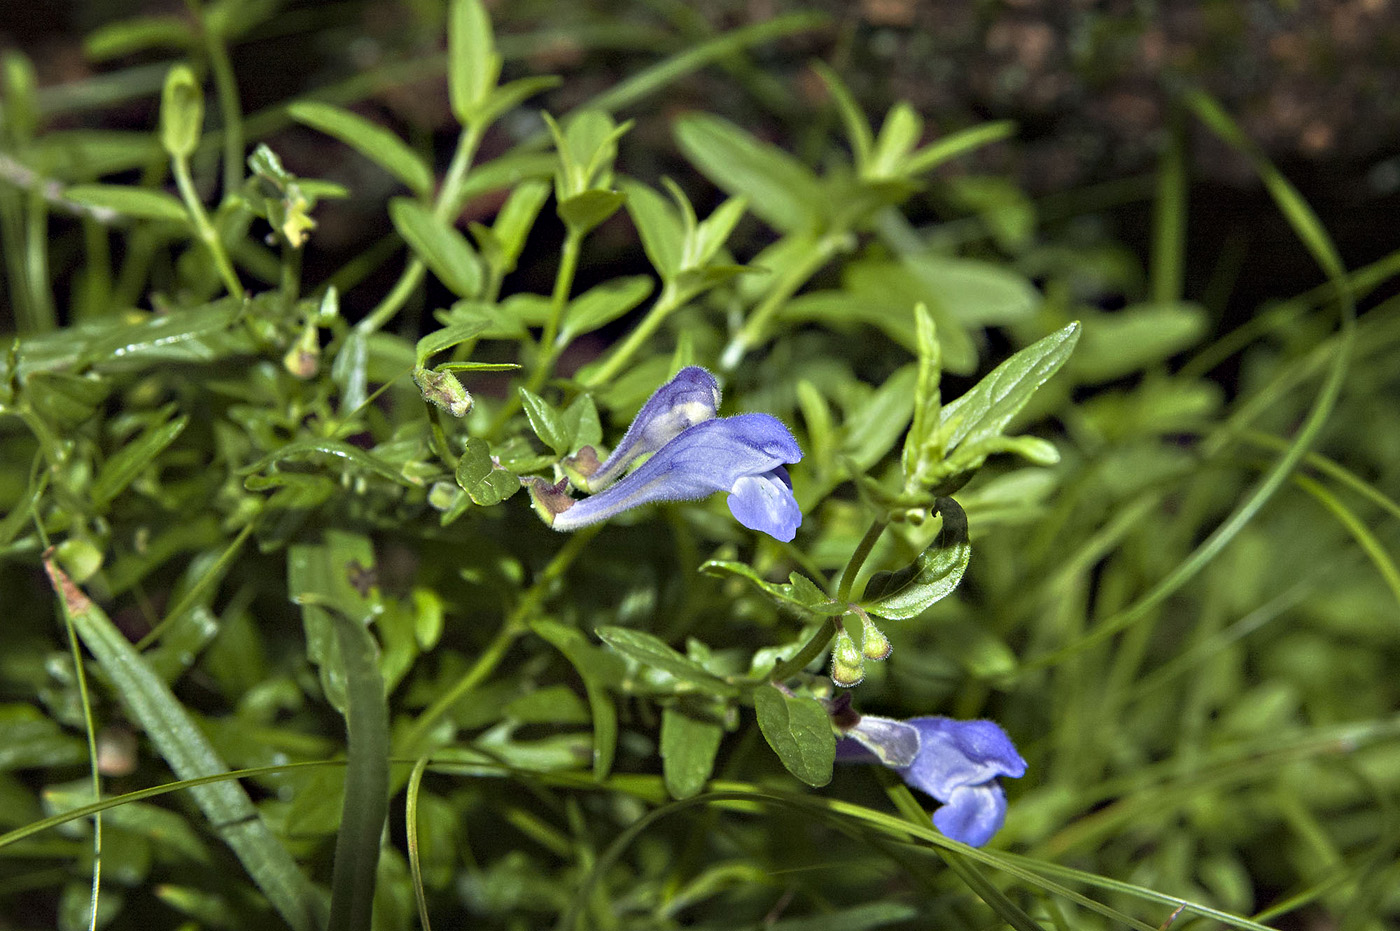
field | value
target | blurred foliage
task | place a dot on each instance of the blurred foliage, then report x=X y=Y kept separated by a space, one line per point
x=323 y=666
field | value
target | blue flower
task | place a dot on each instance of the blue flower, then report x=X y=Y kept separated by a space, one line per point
x=957 y=762
x=691 y=397
x=693 y=455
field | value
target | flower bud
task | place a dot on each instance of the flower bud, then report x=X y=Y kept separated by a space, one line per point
x=304 y=358
x=847 y=662
x=848 y=677
x=443 y=390
x=443 y=495
x=874 y=644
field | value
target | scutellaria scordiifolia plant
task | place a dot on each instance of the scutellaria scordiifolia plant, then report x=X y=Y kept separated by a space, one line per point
x=278 y=505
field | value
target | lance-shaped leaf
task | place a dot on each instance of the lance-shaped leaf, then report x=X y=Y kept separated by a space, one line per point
x=986 y=409
x=930 y=578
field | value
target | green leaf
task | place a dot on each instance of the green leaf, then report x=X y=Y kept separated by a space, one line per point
x=883 y=294
x=444 y=339
x=188 y=752
x=506 y=172
x=799 y=731
x=927 y=396
x=509 y=96
x=799 y=592
x=139 y=34
x=547 y=422
x=92 y=153
x=181 y=112
x=973 y=292
x=880 y=422
x=599 y=670
x=931 y=578
x=1000 y=204
x=473 y=64
x=591 y=137
x=329 y=449
x=662 y=236
x=374 y=142
x=585 y=210
x=514 y=221
x=853 y=918
x=327 y=579
x=713 y=232
x=1130 y=339
x=689 y=743
x=139 y=202
x=484 y=482
x=441 y=247
x=781 y=190
x=986 y=409
x=651 y=651
x=931 y=156
x=602 y=304
x=898 y=135
x=581 y=423
x=29 y=739
x=852 y=117
x=124 y=466
x=64 y=400
x=552 y=704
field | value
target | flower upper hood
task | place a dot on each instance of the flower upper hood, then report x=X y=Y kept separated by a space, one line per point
x=693 y=455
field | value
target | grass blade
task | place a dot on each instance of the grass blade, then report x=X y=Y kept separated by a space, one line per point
x=366 y=802
x=190 y=755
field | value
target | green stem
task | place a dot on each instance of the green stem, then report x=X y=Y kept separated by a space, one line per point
x=831 y=626
x=85 y=702
x=862 y=552
x=230 y=111
x=485 y=664
x=1169 y=216
x=437 y=438
x=546 y=351
x=211 y=576
x=207 y=233
x=665 y=305
x=795 y=277
x=515 y=625
x=415 y=866
x=291 y=274
x=448 y=205
x=558 y=301
x=449 y=199
x=810 y=651
x=37 y=265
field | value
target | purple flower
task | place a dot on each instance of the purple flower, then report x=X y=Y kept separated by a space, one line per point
x=693 y=455
x=691 y=397
x=957 y=762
